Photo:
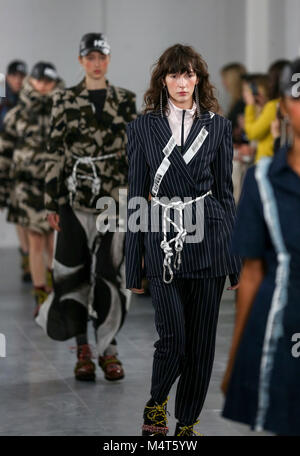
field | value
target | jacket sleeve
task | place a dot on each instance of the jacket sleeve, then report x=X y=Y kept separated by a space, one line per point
x=139 y=183
x=222 y=189
x=130 y=107
x=55 y=156
x=258 y=127
x=8 y=139
x=127 y=113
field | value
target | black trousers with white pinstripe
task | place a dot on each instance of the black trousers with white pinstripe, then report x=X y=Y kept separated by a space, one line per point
x=186 y=315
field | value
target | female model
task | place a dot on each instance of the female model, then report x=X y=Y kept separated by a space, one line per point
x=181 y=150
x=262 y=376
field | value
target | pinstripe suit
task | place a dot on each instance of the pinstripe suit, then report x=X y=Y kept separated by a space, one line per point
x=186 y=310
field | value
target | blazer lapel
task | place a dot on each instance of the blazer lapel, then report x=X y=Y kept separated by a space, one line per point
x=162 y=132
x=199 y=125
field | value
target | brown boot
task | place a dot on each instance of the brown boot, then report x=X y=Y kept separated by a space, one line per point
x=111 y=367
x=85 y=368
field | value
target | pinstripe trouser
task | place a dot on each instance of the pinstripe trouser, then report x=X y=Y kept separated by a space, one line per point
x=186 y=315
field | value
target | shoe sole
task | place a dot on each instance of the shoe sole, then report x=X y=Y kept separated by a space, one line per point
x=114 y=379
x=86 y=379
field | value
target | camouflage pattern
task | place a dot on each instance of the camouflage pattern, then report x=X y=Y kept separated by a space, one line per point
x=75 y=131
x=22 y=159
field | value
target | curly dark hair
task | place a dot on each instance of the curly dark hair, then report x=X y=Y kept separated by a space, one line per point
x=179 y=59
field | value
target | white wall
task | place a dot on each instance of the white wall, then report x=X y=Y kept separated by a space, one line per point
x=292 y=29
x=47 y=30
x=142 y=30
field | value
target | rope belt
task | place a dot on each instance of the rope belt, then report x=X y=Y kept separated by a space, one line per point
x=95 y=179
x=179 y=239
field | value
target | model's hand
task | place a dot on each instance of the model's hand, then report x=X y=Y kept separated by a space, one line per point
x=53 y=220
x=137 y=290
x=235 y=287
x=225 y=381
x=248 y=95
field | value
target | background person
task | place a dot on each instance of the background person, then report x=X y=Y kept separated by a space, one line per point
x=16 y=72
x=86 y=160
x=258 y=126
x=23 y=145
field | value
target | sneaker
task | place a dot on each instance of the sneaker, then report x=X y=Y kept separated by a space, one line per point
x=112 y=367
x=85 y=368
x=40 y=296
x=155 y=419
x=187 y=431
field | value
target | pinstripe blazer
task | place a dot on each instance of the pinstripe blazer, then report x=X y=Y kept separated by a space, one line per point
x=209 y=168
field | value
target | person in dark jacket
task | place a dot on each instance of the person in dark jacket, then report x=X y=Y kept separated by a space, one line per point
x=23 y=146
x=16 y=72
x=86 y=161
x=181 y=152
x=261 y=381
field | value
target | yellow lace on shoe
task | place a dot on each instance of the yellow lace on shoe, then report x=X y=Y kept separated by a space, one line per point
x=158 y=414
x=188 y=430
x=40 y=295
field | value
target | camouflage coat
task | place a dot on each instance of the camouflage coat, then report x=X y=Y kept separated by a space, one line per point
x=23 y=146
x=75 y=134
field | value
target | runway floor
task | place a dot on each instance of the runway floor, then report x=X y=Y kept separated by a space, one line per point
x=39 y=395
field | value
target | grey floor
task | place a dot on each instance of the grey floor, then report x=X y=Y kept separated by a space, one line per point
x=39 y=395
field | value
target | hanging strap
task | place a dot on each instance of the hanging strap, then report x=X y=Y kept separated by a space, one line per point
x=179 y=239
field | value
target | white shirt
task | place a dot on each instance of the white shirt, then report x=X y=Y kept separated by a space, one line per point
x=175 y=121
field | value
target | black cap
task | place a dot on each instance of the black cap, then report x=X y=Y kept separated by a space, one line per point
x=93 y=42
x=17 y=66
x=44 y=70
x=290 y=80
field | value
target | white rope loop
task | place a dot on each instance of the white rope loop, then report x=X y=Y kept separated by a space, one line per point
x=95 y=179
x=179 y=239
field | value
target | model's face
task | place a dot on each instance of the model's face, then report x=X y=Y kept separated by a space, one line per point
x=291 y=107
x=95 y=64
x=15 y=81
x=181 y=88
x=43 y=86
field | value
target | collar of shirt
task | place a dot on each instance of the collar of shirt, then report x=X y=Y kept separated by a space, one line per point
x=175 y=121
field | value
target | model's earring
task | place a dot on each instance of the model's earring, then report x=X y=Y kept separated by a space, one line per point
x=161 y=102
x=161 y=99
x=197 y=100
x=285 y=132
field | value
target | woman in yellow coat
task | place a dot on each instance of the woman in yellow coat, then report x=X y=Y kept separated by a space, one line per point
x=258 y=128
